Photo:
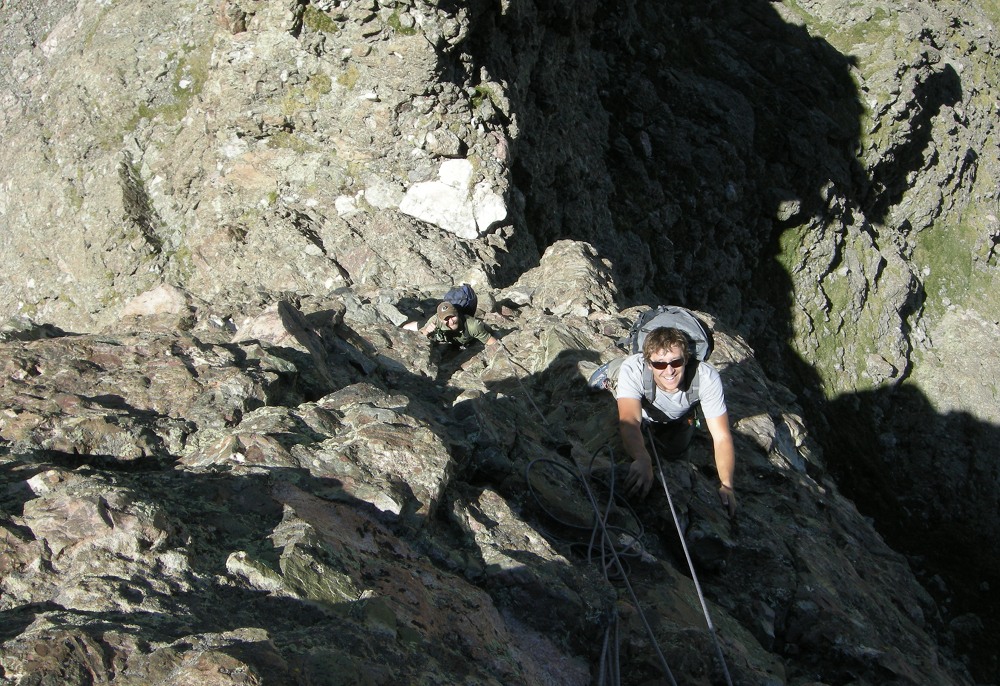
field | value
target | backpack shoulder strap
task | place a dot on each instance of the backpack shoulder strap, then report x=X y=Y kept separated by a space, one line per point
x=648 y=387
x=693 y=382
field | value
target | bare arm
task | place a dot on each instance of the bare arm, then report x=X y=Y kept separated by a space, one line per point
x=640 y=473
x=725 y=459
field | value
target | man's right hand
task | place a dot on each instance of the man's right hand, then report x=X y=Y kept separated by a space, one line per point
x=727 y=496
x=639 y=479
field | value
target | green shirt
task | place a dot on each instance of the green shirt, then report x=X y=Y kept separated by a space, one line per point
x=472 y=329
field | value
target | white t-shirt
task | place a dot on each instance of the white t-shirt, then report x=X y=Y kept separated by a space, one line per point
x=673 y=405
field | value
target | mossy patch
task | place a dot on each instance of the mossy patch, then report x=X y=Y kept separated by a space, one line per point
x=992 y=9
x=181 y=262
x=290 y=141
x=190 y=73
x=90 y=32
x=312 y=579
x=838 y=348
x=789 y=249
x=482 y=94
x=307 y=95
x=874 y=30
x=957 y=265
x=319 y=84
x=349 y=77
x=319 y=21
x=396 y=25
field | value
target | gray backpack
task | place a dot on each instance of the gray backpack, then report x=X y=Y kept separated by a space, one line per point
x=701 y=343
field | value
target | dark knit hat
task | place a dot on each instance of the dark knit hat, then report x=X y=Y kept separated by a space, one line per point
x=445 y=310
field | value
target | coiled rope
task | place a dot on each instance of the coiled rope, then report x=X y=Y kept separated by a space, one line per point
x=611 y=556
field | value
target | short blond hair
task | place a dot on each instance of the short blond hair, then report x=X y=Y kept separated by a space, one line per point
x=665 y=338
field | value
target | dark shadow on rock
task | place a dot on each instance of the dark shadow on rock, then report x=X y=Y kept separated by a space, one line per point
x=450 y=358
x=417 y=309
x=890 y=177
x=217 y=513
x=15 y=620
x=722 y=125
x=14 y=489
x=925 y=478
x=24 y=329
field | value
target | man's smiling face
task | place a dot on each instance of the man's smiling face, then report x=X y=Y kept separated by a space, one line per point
x=668 y=368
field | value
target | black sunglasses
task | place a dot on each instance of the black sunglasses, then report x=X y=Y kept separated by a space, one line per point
x=663 y=364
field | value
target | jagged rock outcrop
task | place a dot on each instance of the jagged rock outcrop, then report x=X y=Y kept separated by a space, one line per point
x=249 y=197
x=202 y=507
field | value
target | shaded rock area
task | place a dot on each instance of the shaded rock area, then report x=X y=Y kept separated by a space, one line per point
x=206 y=507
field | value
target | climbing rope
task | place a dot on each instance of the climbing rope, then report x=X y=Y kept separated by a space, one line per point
x=687 y=556
x=611 y=557
x=527 y=393
x=631 y=540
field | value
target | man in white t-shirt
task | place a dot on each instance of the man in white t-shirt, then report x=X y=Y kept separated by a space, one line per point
x=665 y=354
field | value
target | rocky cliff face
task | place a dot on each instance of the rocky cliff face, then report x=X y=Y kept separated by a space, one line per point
x=225 y=463
x=322 y=499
